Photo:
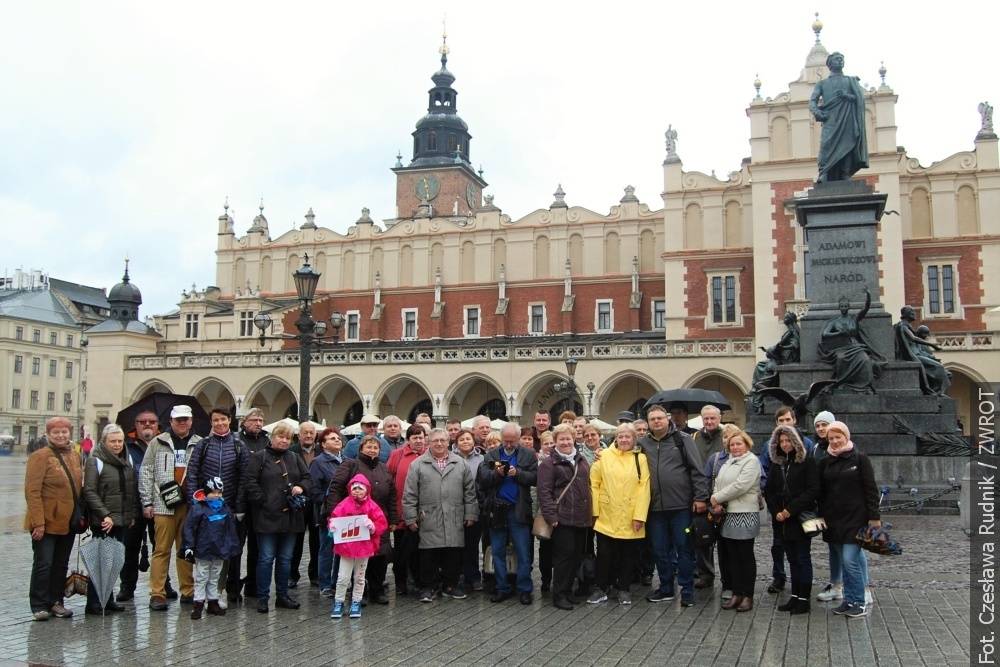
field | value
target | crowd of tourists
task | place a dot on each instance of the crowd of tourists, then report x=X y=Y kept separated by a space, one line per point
x=454 y=510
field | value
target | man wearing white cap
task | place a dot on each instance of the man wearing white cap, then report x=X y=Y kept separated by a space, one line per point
x=161 y=491
x=369 y=426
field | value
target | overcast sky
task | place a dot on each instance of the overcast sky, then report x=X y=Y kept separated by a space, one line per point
x=125 y=125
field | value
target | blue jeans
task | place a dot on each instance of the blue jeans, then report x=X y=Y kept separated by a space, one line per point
x=273 y=547
x=520 y=536
x=327 y=561
x=836 y=568
x=855 y=568
x=672 y=549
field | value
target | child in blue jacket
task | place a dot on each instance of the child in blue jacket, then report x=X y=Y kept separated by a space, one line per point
x=210 y=539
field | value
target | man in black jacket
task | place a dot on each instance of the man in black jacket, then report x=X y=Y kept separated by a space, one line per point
x=506 y=476
x=253 y=435
x=708 y=440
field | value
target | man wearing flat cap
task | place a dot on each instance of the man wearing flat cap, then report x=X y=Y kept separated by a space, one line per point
x=369 y=426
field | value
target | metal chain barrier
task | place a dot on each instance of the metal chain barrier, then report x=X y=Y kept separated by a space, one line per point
x=918 y=503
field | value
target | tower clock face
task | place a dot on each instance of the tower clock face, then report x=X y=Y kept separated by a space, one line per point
x=428 y=187
x=472 y=197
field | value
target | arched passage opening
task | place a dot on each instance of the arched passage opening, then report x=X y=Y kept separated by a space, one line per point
x=476 y=395
x=403 y=396
x=628 y=390
x=963 y=390
x=337 y=401
x=541 y=395
x=727 y=386
x=274 y=397
x=149 y=387
x=213 y=393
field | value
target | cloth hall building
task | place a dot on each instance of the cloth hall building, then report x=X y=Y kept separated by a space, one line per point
x=455 y=308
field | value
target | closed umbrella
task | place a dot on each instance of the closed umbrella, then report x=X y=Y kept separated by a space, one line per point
x=104 y=558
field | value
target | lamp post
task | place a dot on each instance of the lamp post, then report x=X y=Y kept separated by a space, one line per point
x=569 y=384
x=311 y=333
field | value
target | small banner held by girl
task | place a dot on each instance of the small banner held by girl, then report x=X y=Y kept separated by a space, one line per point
x=349 y=529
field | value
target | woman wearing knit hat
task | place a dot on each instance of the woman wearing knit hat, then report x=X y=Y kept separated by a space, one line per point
x=848 y=502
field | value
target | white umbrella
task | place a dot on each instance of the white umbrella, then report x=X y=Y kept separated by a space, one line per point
x=695 y=423
x=468 y=422
x=355 y=429
x=602 y=426
x=497 y=424
x=288 y=421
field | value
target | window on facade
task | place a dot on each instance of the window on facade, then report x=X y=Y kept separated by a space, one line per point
x=409 y=323
x=941 y=289
x=50 y=401
x=18 y=333
x=191 y=325
x=69 y=370
x=53 y=338
x=659 y=314
x=15 y=399
x=33 y=401
x=36 y=336
x=246 y=323
x=53 y=367
x=537 y=318
x=472 y=321
x=36 y=366
x=605 y=316
x=432 y=142
x=69 y=340
x=353 y=332
x=724 y=299
x=18 y=363
x=67 y=401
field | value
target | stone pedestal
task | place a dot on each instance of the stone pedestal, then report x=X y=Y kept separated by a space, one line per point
x=840 y=221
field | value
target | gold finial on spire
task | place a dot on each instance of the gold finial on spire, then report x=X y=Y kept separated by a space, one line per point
x=444 y=38
x=817 y=27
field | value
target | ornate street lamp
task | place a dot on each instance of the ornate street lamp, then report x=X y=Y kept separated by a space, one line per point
x=311 y=333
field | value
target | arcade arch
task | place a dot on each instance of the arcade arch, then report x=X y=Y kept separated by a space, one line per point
x=727 y=385
x=214 y=393
x=338 y=401
x=470 y=394
x=274 y=396
x=404 y=396
x=149 y=387
x=622 y=392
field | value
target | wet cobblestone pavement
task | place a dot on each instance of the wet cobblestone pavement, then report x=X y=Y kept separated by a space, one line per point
x=921 y=617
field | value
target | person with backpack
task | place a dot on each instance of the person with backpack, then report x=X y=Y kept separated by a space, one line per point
x=224 y=456
x=210 y=538
x=112 y=502
x=619 y=485
x=678 y=487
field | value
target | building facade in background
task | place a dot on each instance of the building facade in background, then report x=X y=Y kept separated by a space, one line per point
x=43 y=354
x=455 y=308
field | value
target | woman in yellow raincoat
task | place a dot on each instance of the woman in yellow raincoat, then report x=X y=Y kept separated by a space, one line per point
x=619 y=484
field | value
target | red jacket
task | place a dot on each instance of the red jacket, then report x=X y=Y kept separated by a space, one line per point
x=399 y=465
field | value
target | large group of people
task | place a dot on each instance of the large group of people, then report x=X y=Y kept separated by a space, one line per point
x=454 y=510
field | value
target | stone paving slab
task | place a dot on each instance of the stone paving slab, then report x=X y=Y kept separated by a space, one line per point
x=921 y=618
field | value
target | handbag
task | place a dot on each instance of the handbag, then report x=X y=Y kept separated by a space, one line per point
x=542 y=528
x=77 y=582
x=78 y=523
x=171 y=494
x=812 y=523
x=877 y=540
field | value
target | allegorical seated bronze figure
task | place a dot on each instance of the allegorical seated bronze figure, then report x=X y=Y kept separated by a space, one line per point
x=844 y=345
x=934 y=378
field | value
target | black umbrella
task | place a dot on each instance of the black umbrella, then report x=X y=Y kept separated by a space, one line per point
x=160 y=403
x=692 y=399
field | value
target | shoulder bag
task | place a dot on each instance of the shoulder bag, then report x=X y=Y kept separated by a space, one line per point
x=78 y=523
x=542 y=528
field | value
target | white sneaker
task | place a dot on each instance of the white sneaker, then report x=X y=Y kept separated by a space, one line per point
x=831 y=592
x=727 y=595
x=869 y=599
x=223 y=602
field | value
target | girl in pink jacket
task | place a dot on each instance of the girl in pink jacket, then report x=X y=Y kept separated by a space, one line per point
x=354 y=555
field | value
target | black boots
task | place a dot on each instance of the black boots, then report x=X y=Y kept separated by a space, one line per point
x=798 y=603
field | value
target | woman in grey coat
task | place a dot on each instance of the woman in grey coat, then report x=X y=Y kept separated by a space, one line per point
x=439 y=501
